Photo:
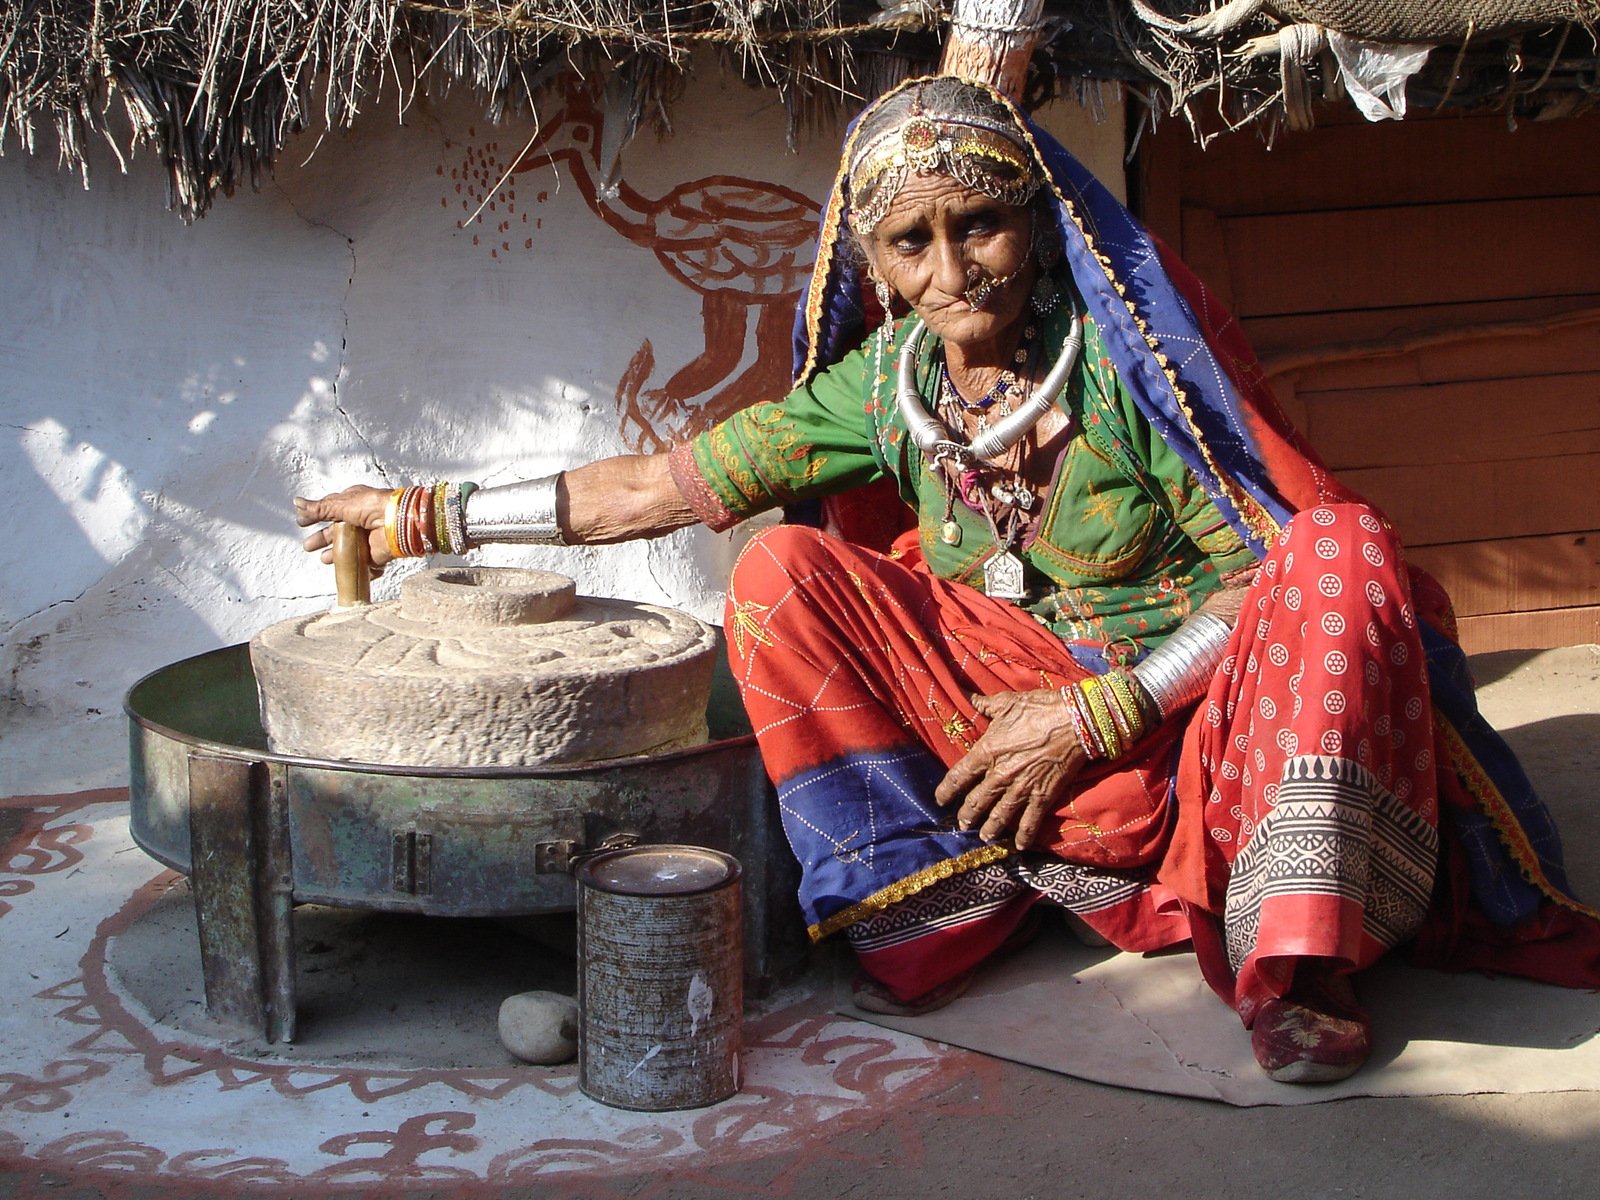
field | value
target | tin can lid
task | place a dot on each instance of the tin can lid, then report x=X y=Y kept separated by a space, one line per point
x=659 y=870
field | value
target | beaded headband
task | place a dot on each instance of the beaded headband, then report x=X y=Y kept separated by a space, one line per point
x=983 y=155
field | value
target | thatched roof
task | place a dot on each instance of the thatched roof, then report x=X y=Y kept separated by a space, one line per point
x=219 y=85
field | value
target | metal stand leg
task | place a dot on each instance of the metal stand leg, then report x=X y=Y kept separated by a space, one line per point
x=775 y=943
x=243 y=885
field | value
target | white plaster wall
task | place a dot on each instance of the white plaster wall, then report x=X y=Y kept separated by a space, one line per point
x=165 y=389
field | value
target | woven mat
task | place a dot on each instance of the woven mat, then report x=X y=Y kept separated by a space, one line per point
x=1152 y=1024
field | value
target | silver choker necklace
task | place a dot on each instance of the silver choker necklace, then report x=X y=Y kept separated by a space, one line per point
x=935 y=440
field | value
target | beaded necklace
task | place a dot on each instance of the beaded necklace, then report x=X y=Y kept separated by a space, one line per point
x=1007 y=385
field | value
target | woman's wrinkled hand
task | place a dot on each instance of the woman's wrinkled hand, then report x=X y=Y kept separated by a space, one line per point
x=1015 y=774
x=360 y=506
x=1228 y=602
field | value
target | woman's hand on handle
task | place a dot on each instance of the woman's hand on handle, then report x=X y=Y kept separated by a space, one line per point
x=1015 y=774
x=360 y=506
x=612 y=500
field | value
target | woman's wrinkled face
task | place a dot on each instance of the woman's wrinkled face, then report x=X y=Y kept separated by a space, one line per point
x=938 y=238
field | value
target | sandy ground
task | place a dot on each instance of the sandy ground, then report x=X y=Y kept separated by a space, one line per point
x=997 y=1129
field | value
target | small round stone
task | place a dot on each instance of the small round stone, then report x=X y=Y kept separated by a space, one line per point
x=540 y=1027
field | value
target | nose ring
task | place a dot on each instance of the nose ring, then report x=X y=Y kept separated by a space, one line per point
x=981 y=286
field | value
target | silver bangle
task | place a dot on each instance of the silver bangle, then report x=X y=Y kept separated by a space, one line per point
x=515 y=512
x=1179 y=671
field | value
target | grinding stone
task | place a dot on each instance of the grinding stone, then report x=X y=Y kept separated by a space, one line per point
x=481 y=666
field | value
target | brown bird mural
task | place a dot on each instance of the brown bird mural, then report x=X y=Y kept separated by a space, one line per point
x=744 y=246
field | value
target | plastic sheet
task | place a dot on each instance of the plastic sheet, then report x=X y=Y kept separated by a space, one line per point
x=1375 y=73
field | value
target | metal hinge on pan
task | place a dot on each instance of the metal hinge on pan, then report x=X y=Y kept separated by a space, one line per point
x=568 y=854
x=411 y=862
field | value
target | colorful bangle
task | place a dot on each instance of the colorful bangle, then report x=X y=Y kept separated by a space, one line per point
x=391 y=523
x=403 y=525
x=1080 y=697
x=1075 y=719
x=1100 y=711
x=412 y=529
x=408 y=521
x=455 y=533
x=467 y=488
x=1105 y=714
x=1083 y=720
x=426 y=542
x=441 y=533
x=1125 y=707
x=425 y=519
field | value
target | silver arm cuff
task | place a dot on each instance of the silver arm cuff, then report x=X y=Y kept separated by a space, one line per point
x=1179 y=671
x=515 y=512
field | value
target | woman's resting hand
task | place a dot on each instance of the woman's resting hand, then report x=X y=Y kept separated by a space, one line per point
x=1013 y=777
x=359 y=506
x=1227 y=603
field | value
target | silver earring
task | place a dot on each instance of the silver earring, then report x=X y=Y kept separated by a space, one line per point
x=1046 y=296
x=1046 y=245
x=885 y=302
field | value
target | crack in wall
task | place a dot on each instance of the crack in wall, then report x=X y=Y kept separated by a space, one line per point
x=344 y=333
x=296 y=597
x=25 y=655
x=183 y=584
x=13 y=626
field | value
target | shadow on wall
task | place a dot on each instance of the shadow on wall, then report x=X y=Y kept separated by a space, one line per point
x=170 y=387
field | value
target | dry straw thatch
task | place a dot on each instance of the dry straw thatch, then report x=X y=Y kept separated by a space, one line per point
x=217 y=86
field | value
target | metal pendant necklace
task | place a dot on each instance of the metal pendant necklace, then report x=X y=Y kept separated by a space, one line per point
x=1005 y=502
x=930 y=434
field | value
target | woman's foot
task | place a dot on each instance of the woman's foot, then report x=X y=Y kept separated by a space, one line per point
x=870 y=995
x=1316 y=1033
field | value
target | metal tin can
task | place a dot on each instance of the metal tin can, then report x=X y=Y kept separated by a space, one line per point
x=660 y=977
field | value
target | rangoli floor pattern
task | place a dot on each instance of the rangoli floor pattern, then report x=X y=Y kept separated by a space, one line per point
x=93 y=1086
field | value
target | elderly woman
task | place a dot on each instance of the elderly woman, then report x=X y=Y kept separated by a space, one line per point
x=1139 y=658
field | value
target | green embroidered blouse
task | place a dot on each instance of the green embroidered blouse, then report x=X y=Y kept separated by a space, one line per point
x=1128 y=543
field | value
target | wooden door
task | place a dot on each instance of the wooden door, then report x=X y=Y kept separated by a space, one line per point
x=1426 y=297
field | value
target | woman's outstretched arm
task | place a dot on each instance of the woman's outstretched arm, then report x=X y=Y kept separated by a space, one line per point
x=620 y=499
x=612 y=500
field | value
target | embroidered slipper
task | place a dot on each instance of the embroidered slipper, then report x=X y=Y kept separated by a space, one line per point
x=870 y=995
x=1317 y=1033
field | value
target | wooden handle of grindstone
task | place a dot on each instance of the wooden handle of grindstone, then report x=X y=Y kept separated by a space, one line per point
x=352 y=565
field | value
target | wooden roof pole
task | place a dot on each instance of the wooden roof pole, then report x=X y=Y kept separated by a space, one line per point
x=992 y=41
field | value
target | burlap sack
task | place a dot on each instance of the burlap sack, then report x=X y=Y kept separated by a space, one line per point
x=1431 y=21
